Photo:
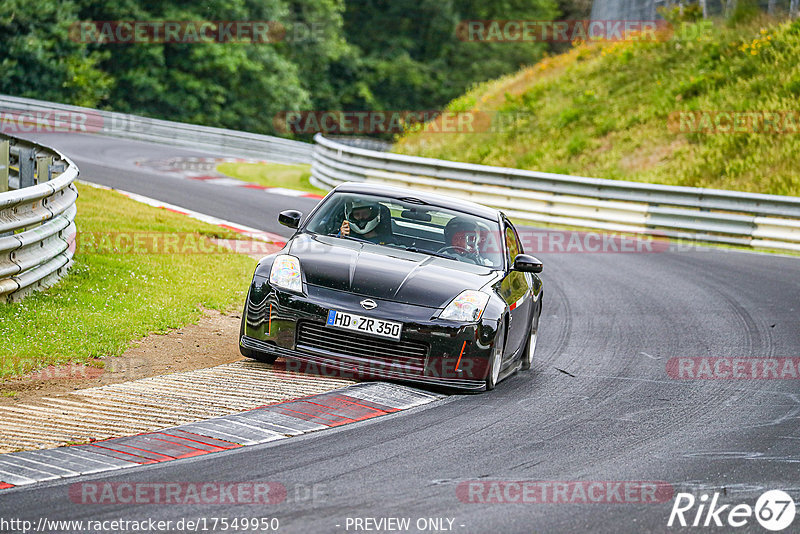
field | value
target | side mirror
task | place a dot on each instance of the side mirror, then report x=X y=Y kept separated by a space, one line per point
x=290 y=218
x=527 y=264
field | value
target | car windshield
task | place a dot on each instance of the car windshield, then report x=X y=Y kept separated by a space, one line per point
x=410 y=225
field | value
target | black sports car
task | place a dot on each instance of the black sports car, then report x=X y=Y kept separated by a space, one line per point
x=383 y=282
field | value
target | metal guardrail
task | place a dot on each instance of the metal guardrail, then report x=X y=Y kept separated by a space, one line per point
x=363 y=142
x=709 y=215
x=37 y=217
x=204 y=138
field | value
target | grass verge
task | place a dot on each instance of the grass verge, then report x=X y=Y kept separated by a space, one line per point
x=272 y=175
x=116 y=293
x=604 y=110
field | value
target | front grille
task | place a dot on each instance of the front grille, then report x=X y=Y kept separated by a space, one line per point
x=312 y=337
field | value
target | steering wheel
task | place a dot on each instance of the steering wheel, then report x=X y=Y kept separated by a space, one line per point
x=474 y=257
x=461 y=250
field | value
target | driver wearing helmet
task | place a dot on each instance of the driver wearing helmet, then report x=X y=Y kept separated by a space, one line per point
x=462 y=238
x=362 y=219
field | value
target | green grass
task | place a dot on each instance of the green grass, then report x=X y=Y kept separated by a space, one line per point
x=272 y=175
x=603 y=110
x=109 y=299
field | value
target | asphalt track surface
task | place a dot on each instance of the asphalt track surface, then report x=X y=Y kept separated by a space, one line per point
x=112 y=162
x=598 y=406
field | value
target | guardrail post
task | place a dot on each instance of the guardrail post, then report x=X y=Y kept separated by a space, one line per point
x=56 y=168
x=26 y=167
x=43 y=164
x=4 y=147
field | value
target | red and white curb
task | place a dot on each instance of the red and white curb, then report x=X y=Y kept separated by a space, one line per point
x=247 y=231
x=204 y=169
x=260 y=425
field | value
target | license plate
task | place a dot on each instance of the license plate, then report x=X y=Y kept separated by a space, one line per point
x=367 y=325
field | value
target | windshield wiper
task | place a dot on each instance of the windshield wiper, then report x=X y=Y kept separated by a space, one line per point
x=429 y=252
x=355 y=239
x=400 y=247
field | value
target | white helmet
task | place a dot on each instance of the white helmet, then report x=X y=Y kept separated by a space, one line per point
x=362 y=225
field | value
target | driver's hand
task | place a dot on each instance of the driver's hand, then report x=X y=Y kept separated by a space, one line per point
x=345 y=228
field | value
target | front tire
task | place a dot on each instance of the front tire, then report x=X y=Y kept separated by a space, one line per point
x=496 y=359
x=255 y=355
x=530 y=346
x=250 y=353
x=261 y=357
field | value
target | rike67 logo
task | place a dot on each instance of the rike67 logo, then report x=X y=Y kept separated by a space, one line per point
x=774 y=510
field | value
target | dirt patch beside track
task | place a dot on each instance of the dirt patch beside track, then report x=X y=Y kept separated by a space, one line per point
x=209 y=342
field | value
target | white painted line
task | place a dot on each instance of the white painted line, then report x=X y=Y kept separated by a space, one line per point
x=40 y=466
x=287 y=192
x=226 y=181
x=271 y=434
x=84 y=467
x=13 y=478
x=248 y=231
x=111 y=464
x=294 y=424
x=210 y=430
x=205 y=169
x=399 y=397
x=34 y=474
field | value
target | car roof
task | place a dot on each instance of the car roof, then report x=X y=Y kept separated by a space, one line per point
x=444 y=201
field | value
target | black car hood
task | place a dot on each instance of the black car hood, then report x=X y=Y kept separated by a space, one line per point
x=385 y=272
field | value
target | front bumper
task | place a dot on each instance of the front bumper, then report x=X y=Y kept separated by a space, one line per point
x=430 y=351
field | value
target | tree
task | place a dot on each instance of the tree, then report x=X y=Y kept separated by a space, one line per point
x=336 y=55
x=39 y=60
x=231 y=85
x=413 y=55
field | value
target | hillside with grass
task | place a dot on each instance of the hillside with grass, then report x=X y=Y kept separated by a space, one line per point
x=619 y=110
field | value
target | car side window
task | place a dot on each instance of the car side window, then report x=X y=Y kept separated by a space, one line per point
x=512 y=244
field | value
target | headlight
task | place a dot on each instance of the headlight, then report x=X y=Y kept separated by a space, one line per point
x=285 y=273
x=466 y=307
